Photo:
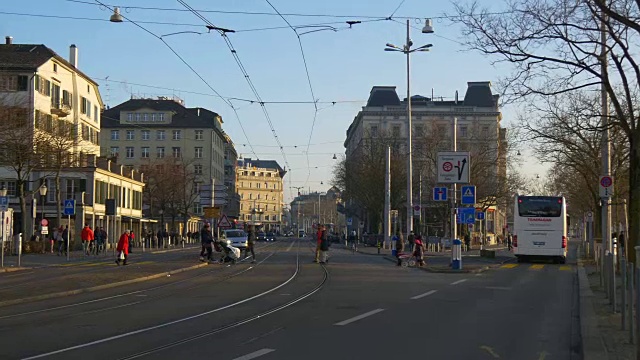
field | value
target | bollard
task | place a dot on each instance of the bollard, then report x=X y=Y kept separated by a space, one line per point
x=456 y=254
x=630 y=304
x=623 y=299
x=19 y=241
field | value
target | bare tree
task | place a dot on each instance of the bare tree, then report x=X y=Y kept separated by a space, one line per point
x=554 y=47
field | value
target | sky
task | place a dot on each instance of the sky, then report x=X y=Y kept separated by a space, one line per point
x=343 y=64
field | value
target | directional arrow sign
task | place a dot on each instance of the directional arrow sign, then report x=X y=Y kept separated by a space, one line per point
x=453 y=167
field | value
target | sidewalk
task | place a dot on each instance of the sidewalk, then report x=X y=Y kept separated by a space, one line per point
x=55 y=277
x=602 y=333
x=439 y=261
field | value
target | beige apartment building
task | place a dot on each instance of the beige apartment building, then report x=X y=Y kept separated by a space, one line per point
x=260 y=185
x=143 y=132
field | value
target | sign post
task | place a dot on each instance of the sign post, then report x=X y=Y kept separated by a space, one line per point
x=4 y=206
x=606 y=187
x=69 y=209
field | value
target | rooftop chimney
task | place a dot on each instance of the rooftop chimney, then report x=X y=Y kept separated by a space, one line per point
x=8 y=40
x=73 y=55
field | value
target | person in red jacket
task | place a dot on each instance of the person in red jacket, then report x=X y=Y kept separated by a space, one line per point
x=87 y=237
x=123 y=248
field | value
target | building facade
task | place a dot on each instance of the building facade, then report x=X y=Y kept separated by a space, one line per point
x=146 y=134
x=232 y=207
x=478 y=131
x=260 y=186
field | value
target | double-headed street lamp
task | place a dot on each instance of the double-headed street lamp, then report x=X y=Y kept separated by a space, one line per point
x=407 y=50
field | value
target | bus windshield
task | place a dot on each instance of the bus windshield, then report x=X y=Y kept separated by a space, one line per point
x=539 y=206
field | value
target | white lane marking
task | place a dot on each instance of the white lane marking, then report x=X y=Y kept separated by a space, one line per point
x=255 y=354
x=423 y=295
x=163 y=325
x=359 y=317
x=497 y=288
x=263 y=335
x=290 y=246
x=458 y=282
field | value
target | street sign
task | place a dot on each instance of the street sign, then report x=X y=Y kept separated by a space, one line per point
x=44 y=222
x=480 y=215
x=590 y=215
x=4 y=203
x=69 y=207
x=211 y=212
x=468 y=195
x=224 y=222
x=606 y=186
x=416 y=210
x=44 y=230
x=440 y=194
x=453 y=167
x=349 y=221
x=466 y=216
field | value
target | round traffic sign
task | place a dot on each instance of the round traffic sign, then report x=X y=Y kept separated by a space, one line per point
x=447 y=166
x=44 y=222
x=606 y=181
x=416 y=207
x=589 y=214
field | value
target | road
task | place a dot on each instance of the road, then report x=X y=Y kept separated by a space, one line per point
x=287 y=307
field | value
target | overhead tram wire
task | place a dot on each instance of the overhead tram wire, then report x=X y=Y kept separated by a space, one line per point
x=192 y=69
x=234 y=53
x=306 y=69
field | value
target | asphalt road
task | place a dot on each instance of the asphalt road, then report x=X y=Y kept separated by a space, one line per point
x=287 y=307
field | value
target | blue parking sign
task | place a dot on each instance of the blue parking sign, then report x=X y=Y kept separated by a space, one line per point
x=4 y=203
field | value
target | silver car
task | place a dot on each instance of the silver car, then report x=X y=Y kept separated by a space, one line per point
x=237 y=237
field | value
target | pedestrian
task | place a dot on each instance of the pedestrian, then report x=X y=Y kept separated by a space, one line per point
x=621 y=243
x=63 y=236
x=54 y=238
x=206 y=238
x=123 y=248
x=399 y=247
x=324 y=246
x=467 y=242
x=510 y=241
x=411 y=238
x=418 y=251
x=251 y=239
x=318 y=242
x=87 y=237
x=132 y=239
x=99 y=239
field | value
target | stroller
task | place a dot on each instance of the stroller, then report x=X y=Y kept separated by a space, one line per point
x=231 y=253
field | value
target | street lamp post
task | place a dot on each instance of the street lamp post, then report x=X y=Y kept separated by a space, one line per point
x=407 y=50
x=3 y=193
x=43 y=193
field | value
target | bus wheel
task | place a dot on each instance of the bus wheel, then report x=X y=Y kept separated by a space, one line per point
x=519 y=258
x=562 y=260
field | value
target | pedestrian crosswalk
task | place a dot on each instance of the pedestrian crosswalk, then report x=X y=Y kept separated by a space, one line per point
x=538 y=267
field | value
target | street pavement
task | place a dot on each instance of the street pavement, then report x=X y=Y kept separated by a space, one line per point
x=285 y=306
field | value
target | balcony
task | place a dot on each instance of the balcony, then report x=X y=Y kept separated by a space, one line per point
x=60 y=109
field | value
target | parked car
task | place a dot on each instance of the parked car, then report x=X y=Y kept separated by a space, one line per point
x=261 y=236
x=238 y=238
x=270 y=237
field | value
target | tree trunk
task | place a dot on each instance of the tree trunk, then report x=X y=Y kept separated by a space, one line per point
x=634 y=195
x=23 y=208
x=58 y=200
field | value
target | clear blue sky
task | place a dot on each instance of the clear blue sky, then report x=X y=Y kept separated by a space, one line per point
x=343 y=65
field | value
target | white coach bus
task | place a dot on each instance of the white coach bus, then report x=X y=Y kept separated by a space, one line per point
x=540 y=227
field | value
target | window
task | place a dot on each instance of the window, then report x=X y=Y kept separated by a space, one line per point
x=160 y=152
x=374 y=131
x=176 y=152
x=145 y=134
x=485 y=130
x=42 y=86
x=88 y=109
x=197 y=208
x=176 y=134
x=463 y=131
x=83 y=105
x=199 y=134
x=115 y=135
x=198 y=152
x=130 y=117
x=88 y=89
x=395 y=131
x=539 y=206
x=67 y=98
x=131 y=135
x=197 y=169
x=55 y=95
x=10 y=186
x=95 y=113
x=137 y=117
x=145 y=152
x=55 y=68
x=160 y=135
x=114 y=151
x=153 y=117
x=145 y=117
x=129 y=152
x=161 y=117
x=73 y=186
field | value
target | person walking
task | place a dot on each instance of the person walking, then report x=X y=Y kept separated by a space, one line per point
x=510 y=241
x=411 y=238
x=123 y=248
x=318 y=242
x=418 y=251
x=132 y=239
x=63 y=235
x=206 y=238
x=399 y=247
x=251 y=240
x=87 y=237
x=324 y=246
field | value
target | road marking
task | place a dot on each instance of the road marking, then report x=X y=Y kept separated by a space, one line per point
x=509 y=266
x=423 y=295
x=565 y=268
x=290 y=246
x=359 y=317
x=458 y=282
x=263 y=335
x=536 y=267
x=498 y=288
x=490 y=351
x=255 y=354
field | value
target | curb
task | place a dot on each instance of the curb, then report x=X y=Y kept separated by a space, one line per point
x=592 y=342
x=452 y=271
x=99 y=287
x=14 y=269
